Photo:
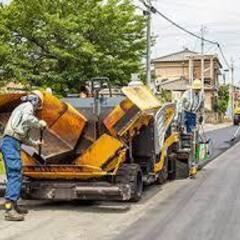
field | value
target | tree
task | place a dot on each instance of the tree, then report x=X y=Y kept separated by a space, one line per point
x=5 y=49
x=223 y=98
x=63 y=43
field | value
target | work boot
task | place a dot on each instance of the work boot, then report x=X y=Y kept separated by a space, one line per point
x=11 y=214
x=20 y=209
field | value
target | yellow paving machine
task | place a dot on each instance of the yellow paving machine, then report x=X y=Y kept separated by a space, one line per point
x=101 y=147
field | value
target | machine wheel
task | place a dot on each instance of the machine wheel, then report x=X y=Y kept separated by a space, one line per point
x=163 y=174
x=235 y=122
x=131 y=174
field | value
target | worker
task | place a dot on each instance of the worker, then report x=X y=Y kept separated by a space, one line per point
x=17 y=131
x=84 y=92
x=190 y=105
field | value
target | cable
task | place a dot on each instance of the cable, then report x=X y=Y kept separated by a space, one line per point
x=184 y=29
x=193 y=34
x=211 y=48
x=223 y=56
x=154 y=10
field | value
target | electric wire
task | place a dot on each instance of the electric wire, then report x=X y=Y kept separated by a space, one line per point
x=155 y=10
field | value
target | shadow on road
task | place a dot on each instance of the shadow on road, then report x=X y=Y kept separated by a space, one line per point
x=83 y=206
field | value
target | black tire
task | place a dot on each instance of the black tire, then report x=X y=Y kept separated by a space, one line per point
x=172 y=167
x=163 y=174
x=236 y=119
x=235 y=122
x=131 y=174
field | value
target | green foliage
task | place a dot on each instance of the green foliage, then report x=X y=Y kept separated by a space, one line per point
x=165 y=96
x=223 y=98
x=63 y=43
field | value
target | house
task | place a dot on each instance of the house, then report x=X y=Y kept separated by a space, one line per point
x=236 y=96
x=175 y=73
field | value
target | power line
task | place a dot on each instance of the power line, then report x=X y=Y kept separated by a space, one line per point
x=211 y=48
x=223 y=56
x=154 y=10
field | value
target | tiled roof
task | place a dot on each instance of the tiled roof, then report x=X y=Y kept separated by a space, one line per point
x=184 y=56
x=175 y=85
x=178 y=56
x=180 y=84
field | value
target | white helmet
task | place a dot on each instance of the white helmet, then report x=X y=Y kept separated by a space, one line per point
x=40 y=99
x=197 y=84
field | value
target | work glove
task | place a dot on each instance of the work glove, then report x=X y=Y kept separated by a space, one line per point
x=43 y=124
x=200 y=119
x=38 y=143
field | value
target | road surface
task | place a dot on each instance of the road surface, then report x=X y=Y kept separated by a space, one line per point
x=220 y=139
x=207 y=207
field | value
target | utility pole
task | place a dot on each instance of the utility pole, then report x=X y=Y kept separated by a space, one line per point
x=148 y=61
x=231 y=88
x=202 y=59
x=190 y=70
x=224 y=78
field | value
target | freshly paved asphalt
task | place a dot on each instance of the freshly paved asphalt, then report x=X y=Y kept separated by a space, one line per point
x=220 y=140
x=208 y=208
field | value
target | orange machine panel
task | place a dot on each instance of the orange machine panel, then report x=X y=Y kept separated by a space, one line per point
x=121 y=116
x=52 y=109
x=65 y=126
x=9 y=101
x=101 y=153
x=69 y=126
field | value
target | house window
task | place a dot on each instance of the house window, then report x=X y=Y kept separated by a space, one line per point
x=207 y=81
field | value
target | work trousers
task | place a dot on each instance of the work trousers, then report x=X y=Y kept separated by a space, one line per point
x=190 y=121
x=11 y=151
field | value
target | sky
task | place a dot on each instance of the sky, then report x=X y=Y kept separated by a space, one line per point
x=220 y=17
